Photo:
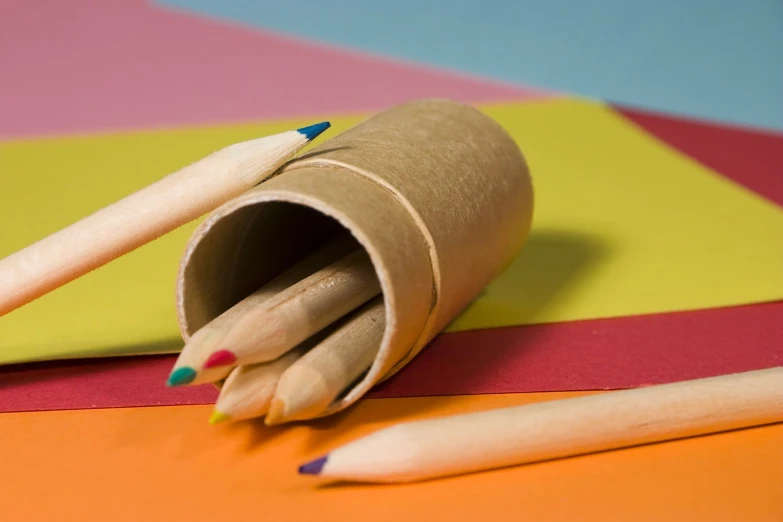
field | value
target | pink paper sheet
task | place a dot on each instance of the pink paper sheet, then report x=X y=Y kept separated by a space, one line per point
x=89 y=65
x=585 y=355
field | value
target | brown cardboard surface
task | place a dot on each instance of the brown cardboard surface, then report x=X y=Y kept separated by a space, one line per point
x=437 y=193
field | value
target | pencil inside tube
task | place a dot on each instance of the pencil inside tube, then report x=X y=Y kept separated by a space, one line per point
x=303 y=382
x=314 y=381
x=265 y=331
x=248 y=390
x=207 y=341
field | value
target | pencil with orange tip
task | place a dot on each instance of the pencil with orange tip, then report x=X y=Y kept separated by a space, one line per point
x=314 y=381
x=248 y=390
x=472 y=442
x=145 y=215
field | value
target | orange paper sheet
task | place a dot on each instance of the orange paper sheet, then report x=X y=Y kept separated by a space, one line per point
x=167 y=464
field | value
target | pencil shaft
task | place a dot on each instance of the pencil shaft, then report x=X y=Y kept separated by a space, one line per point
x=139 y=218
x=302 y=310
x=248 y=390
x=208 y=338
x=329 y=253
x=511 y=436
x=312 y=383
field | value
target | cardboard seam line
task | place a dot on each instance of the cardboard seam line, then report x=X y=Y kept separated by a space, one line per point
x=427 y=237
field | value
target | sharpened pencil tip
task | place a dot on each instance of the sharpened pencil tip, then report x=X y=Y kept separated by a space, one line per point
x=312 y=131
x=313 y=467
x=276 y=413
x=220 y=358
x=181 y=376
x=218 y=416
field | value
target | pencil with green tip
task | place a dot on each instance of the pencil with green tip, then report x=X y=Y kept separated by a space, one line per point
x=145 y=215
x=209 y=339
x=303 y=382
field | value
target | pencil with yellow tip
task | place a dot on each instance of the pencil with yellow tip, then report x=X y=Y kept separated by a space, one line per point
x=472 y=442
x=145 y=215
x=248 y=390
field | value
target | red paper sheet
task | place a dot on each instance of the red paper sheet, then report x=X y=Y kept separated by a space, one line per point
x=596 y=355
x=585 y=355
x=751 y=158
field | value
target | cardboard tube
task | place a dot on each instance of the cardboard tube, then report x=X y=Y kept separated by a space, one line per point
x=436 y=192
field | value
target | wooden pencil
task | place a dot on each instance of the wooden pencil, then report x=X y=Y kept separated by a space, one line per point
x=144 y=215
x=316 y=379
x=504 y=437
x=275 y=326
x=189 y=367
x=248 y=390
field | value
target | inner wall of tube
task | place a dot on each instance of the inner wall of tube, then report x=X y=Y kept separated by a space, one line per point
x=249 y=247
x=246 y=249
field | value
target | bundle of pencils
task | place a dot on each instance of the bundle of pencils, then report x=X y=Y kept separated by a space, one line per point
x=290 y=348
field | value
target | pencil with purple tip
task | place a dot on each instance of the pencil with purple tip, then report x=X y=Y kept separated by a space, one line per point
x=145 y=215
x=472 y=442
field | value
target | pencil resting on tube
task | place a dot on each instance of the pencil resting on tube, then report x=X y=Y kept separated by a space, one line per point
x=145 y=215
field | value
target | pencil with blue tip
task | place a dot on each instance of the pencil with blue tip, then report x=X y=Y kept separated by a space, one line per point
x=145 y=215
x=472 y=442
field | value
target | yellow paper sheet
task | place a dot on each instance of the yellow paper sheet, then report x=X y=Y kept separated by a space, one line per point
x=623 y=225
x=127 y=306
x=626 y=225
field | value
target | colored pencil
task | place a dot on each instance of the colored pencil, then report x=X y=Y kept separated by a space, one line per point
x=267 y=331
x=466 y=443
x=207 y=341
x=144 y=215
x=315 y=380
x=248 y=390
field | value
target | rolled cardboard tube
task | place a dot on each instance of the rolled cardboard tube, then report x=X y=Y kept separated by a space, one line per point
x=436 y=192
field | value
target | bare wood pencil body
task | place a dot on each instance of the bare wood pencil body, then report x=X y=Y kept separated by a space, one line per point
x=309 y=385
x=300 y=311
x=141 y=217
x=248 y=390
x=511 y=436
x=209 y=338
